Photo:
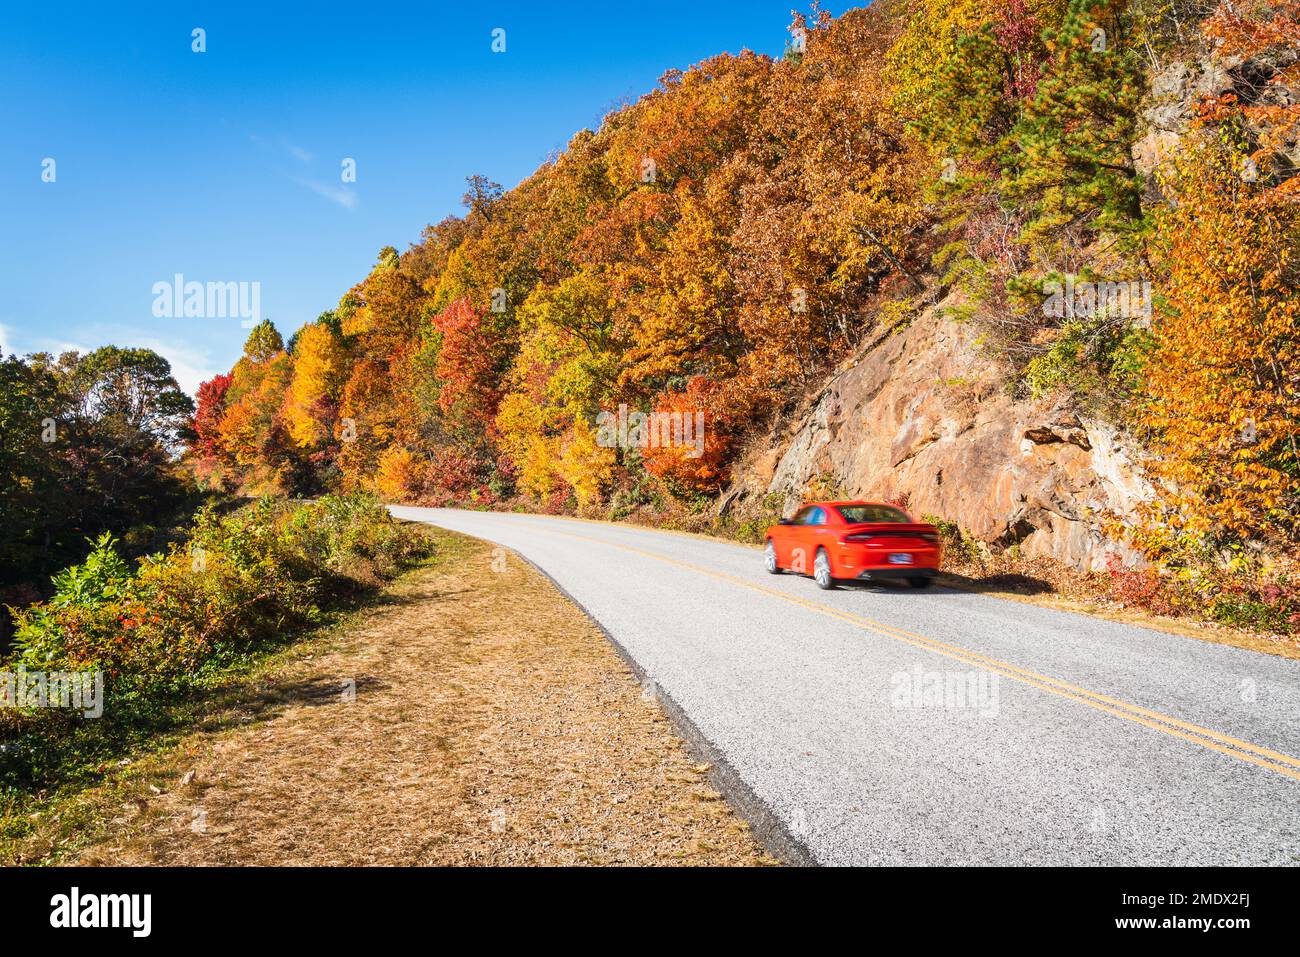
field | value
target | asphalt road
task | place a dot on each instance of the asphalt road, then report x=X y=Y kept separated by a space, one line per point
x=888 y=726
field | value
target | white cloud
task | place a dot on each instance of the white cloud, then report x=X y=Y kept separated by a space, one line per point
x=297 y=152
x=339 y=195
x=335 y=194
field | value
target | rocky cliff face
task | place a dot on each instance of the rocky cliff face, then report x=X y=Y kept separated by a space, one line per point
x=921 y=414
x=1174 y=91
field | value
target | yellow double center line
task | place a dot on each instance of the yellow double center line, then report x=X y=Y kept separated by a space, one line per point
x=1224 y=744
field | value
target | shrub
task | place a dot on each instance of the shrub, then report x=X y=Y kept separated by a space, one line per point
x=752 y=528
x=960 y=551
x=1143 y=588
x=1240 y=590
x=241 y=583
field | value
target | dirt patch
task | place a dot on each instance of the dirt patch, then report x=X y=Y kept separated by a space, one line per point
x=475 y=716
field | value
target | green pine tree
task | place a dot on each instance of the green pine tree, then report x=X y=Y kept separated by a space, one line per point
x=1071 y=161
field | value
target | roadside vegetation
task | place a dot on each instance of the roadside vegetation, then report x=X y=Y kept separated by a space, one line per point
x=434 y=726
x=166 y=630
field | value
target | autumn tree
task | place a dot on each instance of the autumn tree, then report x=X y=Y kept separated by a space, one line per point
x=252 y=429
x=481 y=195
x=398 y=475
x=701 y=430
x=320 y=370
x=961 y=71
x=584 y=464
x=1073 y=161
x=948 y=77
x=472 y=359
x=210 y=406
x=1223 y=416
x=566 y=366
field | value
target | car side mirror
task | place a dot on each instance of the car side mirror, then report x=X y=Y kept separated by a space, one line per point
x=786 y=521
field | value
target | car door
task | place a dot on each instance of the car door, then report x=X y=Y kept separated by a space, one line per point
x=786 y=538
x=817 y=533
x=804 y=539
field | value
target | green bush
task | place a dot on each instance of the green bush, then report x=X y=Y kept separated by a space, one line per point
x=241 y=583
x=959 y=549
x=751 y=528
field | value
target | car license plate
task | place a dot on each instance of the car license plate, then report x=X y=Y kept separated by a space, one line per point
x=900 y=558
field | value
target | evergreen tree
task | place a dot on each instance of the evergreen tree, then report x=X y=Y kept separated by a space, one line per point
x=1073 y=146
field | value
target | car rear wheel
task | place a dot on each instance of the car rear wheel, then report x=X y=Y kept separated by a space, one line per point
x=918 y=582
x=822 y=570
x=769 y=559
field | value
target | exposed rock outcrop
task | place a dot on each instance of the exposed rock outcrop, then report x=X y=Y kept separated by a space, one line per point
x=1174 y=92
x=923 y=415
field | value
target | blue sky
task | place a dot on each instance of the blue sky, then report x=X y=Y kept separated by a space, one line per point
x=224 y=166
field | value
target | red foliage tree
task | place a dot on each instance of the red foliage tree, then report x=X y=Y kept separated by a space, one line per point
x=470 y=361
x=207 y=416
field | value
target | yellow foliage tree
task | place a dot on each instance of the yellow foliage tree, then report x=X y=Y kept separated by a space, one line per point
x=320 y=368
x=398 y=474
x=537 y=473
x=585 y=465
x=1224 y=373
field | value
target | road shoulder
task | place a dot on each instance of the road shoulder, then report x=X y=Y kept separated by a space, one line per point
x=473 y=716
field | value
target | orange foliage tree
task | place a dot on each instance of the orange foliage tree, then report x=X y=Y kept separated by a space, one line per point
x=699 y=432
x=1224 y=372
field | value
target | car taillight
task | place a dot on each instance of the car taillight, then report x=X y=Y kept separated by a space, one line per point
x=860 y=537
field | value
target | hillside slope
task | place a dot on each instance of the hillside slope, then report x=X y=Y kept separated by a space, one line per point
x=921 y=418
x=1103 y=194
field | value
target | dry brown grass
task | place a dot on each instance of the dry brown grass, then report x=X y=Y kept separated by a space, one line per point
x=492 y=724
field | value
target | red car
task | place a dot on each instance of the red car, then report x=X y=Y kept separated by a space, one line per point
x=854 y=541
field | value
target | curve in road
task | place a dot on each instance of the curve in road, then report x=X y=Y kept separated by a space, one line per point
x=888 y=726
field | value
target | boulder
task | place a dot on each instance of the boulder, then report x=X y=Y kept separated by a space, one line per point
x=923 y=415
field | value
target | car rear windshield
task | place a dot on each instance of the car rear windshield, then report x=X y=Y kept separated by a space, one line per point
x=860 y=514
